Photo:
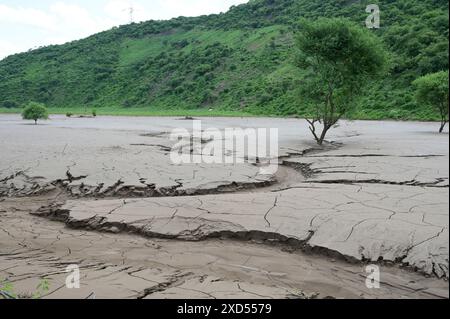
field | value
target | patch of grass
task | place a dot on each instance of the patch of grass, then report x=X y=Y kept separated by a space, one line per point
x=140 y=111
x=10 y=111
x=117 y=111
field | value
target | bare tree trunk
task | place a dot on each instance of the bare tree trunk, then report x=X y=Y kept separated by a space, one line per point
x=312 y=127
x=444 y=116
x=443 y=123
x=323 y=135
x=328 y=118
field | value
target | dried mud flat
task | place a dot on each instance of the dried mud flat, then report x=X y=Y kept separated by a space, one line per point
x=103 y=194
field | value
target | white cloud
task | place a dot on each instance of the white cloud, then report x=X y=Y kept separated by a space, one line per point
x=61 y=22
x=7 y=48
x=198 y=7
x=65 y=20
x=26 y=16
x=72 y=16
x=119 y=10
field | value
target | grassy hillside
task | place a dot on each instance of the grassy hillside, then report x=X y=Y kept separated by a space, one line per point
x=242 y=60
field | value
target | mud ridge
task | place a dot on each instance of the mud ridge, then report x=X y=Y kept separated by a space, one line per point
x=30 y=188
x=379 y=181
x=214 y=230
x=118 y=190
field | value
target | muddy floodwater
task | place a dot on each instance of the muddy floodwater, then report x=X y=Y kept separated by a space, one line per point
x=104 y=194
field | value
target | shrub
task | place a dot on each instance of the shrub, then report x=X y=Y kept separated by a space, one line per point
x=432 y=89
x=10 y=104
x=35 y=111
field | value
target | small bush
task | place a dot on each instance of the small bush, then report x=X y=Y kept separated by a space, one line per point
x=10 y=104
x=35 y=111
x=127 y=103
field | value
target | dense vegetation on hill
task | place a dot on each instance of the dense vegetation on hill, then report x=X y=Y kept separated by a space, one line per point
x=243 y=60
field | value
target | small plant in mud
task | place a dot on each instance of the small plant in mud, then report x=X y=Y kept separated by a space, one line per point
x=7 y=290
x=41 y=289
x=35 y=111
x=339 y=58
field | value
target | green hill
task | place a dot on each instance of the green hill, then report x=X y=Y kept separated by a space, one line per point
x=240 y=60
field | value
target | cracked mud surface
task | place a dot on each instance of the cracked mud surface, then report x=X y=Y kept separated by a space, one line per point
x=140 y=227
x=128 y=266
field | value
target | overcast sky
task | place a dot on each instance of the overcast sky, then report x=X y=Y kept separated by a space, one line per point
x=27 y=24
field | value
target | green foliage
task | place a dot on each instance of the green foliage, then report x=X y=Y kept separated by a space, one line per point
x=8 y=288
x=35 y=111
x=339 y=58
x=41 y=289
x=432 y=90
x=141 y=111
x=241 y=60
x=9 y=104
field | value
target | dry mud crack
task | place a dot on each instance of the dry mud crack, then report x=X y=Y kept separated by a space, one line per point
x=351 y=223
x=218 y=231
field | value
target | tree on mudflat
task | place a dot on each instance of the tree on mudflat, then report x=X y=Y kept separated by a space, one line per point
x=432 y=90
x=35 y=111
x=339 y=58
